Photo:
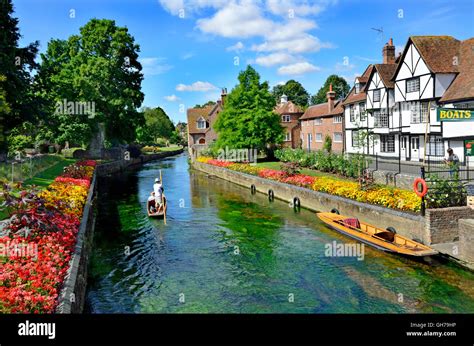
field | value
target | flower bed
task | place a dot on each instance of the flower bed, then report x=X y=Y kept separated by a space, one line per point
x=39 y=241
x=379 y=195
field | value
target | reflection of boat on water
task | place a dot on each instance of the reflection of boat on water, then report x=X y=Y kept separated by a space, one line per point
x=382 y=239
x=161 y=212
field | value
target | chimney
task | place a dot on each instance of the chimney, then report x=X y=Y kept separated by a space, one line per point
x=388 y=52
x=331 y=95
x=284 y=99
x=223 y=95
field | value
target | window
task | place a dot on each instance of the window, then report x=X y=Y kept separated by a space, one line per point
x=362 y=111
x=355 y=139
x=377 y=95
x=387 y=143
x=319 y=137
x=413 y=84
x=201 y=124
x=351 y=112
x=380 y=119
x=286 y=118
x=357 y=88
x=337 y=137
x=287 y=137
x=337 y=119
x=435 y=146
x=419 y=112
x=318 y=121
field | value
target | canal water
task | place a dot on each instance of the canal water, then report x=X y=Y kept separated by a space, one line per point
x=225 y=250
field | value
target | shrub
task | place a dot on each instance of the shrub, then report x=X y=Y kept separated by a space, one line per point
x=327 y=143
x=444 y=193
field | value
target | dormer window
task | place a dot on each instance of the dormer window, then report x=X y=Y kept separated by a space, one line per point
x=357 y=88
x=201 y=124
x=286 y=118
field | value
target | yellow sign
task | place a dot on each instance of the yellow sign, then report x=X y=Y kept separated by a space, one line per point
x=451 y=114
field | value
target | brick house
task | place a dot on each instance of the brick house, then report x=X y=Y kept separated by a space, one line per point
x=201 y=122
x=290 y=115
x=319 y=121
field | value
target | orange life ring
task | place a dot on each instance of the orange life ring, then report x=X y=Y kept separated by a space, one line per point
x=424 y=189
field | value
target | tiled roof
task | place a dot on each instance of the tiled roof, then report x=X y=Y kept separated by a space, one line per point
x=462 y=87
x=386 y=72
x=437 y=52
x=352 y=97
x=288 y=108
x=321 y=110
x=194 y=114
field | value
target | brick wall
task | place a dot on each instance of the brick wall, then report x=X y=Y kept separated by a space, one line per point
x=327 y=127
x=442 y=225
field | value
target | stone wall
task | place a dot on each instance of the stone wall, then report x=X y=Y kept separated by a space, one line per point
x=406 y=224
x=442 y=225
x=466 y=239
x=120 y=165
x=73 y=293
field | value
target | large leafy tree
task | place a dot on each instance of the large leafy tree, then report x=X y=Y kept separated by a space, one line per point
x=339 y=85
x=294 y=90
x=247 y=120
x=157 y=125
x=100 y=66
x=16 y=64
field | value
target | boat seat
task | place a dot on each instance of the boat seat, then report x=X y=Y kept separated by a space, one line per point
x=352 y=222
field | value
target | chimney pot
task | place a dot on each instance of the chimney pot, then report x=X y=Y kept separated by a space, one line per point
x=331 y=96
x=388 y=52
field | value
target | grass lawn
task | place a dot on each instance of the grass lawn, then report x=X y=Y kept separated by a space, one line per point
x=306 y=171
x=46 y=177
x=171 y=148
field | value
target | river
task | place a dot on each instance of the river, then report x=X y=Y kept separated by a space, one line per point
x=225 y=250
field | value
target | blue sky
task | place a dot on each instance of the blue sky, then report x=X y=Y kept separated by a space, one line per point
x=188 y=60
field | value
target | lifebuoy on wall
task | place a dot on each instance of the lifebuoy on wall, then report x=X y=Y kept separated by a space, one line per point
x=424 y=187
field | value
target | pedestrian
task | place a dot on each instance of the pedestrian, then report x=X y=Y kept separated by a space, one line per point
x=453 y=163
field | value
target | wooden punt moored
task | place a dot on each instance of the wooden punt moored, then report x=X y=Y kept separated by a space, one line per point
x=381 y=239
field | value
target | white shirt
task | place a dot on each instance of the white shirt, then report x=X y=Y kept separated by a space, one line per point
x=157 y=189
x=151 y=198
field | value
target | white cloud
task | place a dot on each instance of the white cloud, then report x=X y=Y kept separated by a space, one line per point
x=304 y=44
x=187 y=56
x=236 y=20
x=154 y=66
x=172 y=98
x=274 y=59
x=298 y=68
x=196 y=86
x=297 y=7
x=236 y=47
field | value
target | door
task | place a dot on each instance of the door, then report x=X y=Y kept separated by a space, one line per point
x=415 y=148
x=405 y=149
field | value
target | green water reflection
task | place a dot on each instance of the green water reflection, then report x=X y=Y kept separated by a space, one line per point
x=225 y=250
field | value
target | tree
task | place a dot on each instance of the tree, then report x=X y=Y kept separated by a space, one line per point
x=295 y=92
x=157 y=124
x=99 y=67
x=247 y=120
x=208 y=103
x=339 y=86
x=16 y=65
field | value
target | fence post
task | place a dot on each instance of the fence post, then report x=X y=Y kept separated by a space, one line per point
x=423 y=207
x=376 y=161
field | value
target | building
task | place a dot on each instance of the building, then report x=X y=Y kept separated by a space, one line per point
x=319 y=121
x=355 y=116
x=201 y=122
x=290 y=115
x=433 y=72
